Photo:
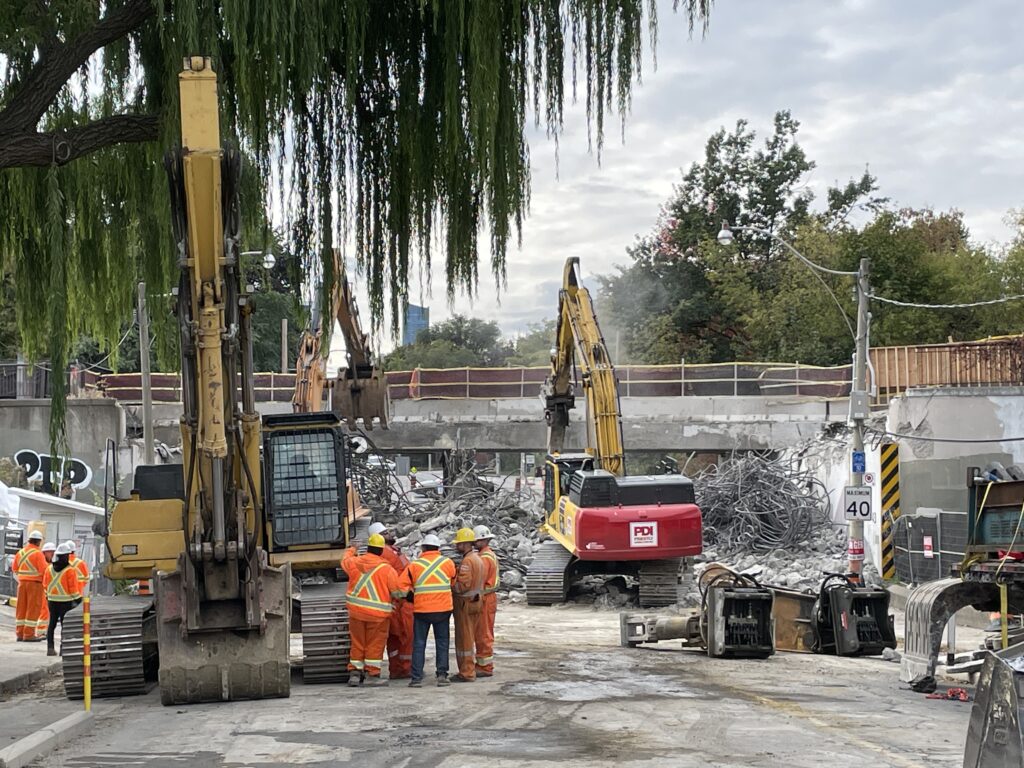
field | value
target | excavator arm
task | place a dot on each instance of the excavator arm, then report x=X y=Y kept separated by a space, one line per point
x=223 y=612
x=360 y=391
x=578 y=338
x=310 y=372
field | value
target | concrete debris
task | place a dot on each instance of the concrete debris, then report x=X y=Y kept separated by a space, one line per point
x=511 y=510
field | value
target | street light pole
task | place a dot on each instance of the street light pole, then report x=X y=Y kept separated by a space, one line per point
x=859 y=412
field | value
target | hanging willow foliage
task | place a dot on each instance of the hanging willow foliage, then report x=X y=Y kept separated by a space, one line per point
x=398 y=122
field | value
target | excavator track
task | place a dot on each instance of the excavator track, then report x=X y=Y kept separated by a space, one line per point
x=547 y=579
x=122 y=646
x=659 y=580
x=325 y=637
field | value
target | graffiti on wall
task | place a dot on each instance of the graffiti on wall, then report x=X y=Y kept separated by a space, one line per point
x=38 y=467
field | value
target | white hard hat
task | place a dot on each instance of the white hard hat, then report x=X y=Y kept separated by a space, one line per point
x=70 y=544
x=430 y=540
x=62 y=550
x=35 y=536
x=377 y=528
x=49 y=546
x=482 y=532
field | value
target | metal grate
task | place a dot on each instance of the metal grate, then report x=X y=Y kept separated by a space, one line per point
x=307 y=488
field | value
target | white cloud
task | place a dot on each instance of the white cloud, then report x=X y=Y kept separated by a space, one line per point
x=928 y=93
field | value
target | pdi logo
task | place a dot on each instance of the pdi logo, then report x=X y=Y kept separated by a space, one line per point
x=643 y=534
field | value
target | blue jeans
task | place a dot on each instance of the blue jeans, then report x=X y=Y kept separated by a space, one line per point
x=421 y=624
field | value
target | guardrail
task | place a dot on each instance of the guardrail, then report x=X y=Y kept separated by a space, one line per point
x=997 y=361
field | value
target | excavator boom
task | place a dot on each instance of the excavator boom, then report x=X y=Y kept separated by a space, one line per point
x=578 y=336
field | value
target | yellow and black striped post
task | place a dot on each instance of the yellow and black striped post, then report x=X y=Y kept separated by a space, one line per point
x=890 y=485
x=86 y=651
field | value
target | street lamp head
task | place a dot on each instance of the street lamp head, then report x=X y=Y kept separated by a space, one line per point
x=725 y=234
x=268 y=260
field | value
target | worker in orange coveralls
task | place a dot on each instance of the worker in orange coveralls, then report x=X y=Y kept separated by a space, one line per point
x=372 y=585
x=400 y=631
x=485 y=624
x=468 y=589
x=29 y=566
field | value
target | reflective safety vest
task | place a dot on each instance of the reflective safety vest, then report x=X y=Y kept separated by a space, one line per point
x=30 y=563
x=491 y=577
x=430 y=580
x=363 y=593
x=82 y=569
x=62 y=587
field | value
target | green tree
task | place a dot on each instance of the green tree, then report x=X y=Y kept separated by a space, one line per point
x=533 y=348
x=453 y=343
x=418 y=109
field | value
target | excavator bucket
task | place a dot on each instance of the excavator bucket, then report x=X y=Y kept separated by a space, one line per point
x=222 y=662
x=361 y=398
x=929 y=609
x=995 y=738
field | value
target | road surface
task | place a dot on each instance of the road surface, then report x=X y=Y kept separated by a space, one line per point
x=565 y=694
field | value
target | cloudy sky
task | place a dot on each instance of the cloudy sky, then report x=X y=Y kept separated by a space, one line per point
x=928 y=93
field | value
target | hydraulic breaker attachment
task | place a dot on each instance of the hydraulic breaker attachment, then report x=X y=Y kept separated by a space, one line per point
x=995 y=736
x=853 y=621
x=929 y=609
x=739 y=622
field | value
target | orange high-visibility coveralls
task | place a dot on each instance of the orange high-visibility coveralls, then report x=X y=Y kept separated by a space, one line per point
x=485 y=624
x=372 y=584
x=400 y=629
x=468 y=586
x=29 y=566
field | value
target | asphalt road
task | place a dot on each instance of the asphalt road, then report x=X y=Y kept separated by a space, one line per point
x=565 y=694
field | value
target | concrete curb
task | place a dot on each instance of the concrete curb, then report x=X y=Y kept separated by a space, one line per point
x=45 y=740
x=965 y=617
x=28 y=679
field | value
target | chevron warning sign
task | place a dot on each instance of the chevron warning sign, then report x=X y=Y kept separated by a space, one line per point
x=890 y=485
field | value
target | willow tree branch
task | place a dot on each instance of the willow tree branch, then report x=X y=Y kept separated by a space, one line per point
x=60 y=147
x=37 y=91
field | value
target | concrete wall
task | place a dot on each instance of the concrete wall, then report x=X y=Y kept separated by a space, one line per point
x=933 y=475
x=25 y=425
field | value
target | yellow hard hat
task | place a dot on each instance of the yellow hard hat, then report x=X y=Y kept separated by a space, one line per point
x=465 y=535
x=376 y=540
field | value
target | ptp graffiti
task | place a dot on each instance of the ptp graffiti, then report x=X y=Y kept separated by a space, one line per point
x=39 y=465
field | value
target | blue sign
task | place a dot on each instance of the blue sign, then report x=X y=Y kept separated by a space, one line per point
x=860 y=464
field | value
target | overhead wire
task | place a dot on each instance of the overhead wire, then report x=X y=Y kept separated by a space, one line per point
x=965 y=305
x=930 y=439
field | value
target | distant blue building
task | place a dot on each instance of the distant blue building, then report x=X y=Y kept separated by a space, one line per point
x=416 y=319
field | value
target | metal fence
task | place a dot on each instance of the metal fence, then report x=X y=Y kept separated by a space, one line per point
x=928 y=543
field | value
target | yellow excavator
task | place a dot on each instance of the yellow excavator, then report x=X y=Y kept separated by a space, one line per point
x=360 y=392
x=228 y=536
x=599 y=520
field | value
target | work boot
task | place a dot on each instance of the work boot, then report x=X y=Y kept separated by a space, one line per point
x=51 y=651
x=484 y=674
x=355 y=680
x=375 y=680
x=462 y=679
x=415 y=683
x=442 y=681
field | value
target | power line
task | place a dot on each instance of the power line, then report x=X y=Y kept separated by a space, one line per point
x=967 y=305
x=923 y=438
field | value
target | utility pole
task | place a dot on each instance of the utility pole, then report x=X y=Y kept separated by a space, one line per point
x=147 y=388
x=859 y=412
x=284 y=345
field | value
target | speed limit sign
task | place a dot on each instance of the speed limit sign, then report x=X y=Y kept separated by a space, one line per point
x=857 y=503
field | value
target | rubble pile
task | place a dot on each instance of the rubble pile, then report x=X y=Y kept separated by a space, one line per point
x=512 y=512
